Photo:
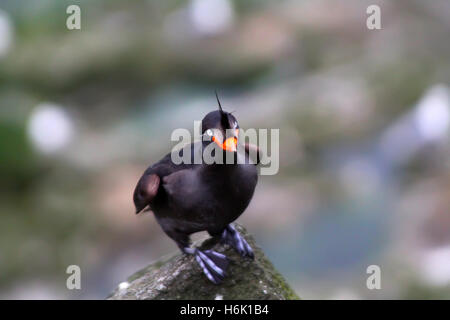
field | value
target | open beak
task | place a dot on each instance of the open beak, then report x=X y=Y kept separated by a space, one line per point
x=230 y=144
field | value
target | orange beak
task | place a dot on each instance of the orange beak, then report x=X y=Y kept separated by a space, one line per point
x=229 y=144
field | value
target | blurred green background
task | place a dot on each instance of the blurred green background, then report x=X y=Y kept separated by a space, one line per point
x=364 y=136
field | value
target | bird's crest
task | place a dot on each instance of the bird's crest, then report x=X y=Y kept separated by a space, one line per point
x=218 y=102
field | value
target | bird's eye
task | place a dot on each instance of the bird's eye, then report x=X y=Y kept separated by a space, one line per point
x=209 y=132
x=235 y=124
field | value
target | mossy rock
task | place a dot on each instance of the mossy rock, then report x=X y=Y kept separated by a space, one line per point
x=179 y=277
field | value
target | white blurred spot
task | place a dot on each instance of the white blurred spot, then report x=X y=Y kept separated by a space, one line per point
x=6 y=33
x=345 y=294
x=432 y=113
x=436 y=266
x=123 y=285
x=50 y=128
x=218 y=297
x=427 y=123
x=401 y=140
x=160 y=287
x=211 y=16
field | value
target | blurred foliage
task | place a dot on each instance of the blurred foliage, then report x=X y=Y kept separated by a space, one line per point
x=138 y=69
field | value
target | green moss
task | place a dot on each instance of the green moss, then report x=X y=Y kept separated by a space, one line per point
x=179 y=277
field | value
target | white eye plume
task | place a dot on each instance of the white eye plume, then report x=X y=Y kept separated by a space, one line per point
x=209 y=132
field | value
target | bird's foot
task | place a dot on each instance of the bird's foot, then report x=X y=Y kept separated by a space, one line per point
x=232 y=237
x=213 y=264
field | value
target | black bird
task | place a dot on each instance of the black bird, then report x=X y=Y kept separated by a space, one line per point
x=188 y=198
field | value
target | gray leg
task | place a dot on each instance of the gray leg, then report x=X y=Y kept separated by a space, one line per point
x=232 y=237
x=213 y=264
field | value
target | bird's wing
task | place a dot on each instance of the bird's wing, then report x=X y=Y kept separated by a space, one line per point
x=145 y=191
x=150 y=182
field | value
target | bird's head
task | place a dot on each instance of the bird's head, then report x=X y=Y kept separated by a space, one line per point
x=222 y=128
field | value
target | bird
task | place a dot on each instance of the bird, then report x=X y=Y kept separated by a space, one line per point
x=190 y=197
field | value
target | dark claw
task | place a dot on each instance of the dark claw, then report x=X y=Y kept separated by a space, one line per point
x=232 y=237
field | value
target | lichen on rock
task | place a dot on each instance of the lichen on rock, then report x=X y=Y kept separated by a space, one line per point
x=179 y=277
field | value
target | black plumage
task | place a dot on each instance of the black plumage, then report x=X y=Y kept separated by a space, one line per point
x=188 y=198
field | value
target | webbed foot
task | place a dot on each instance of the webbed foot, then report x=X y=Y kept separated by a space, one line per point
x=213 y=264
x=232 y=237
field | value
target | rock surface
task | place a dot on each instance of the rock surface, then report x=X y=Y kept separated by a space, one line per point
x=179 y=277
